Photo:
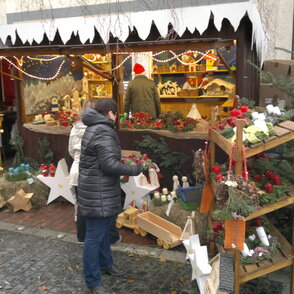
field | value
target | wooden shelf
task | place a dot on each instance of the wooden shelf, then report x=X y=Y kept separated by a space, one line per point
x=284 y=133
x=283 y=257
x=187 y=72
x=282 y=202
x=197 y=97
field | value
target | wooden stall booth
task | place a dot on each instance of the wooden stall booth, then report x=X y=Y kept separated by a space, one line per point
x=93 y=69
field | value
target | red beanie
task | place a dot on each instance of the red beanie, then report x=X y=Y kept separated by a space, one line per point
x=138 y=68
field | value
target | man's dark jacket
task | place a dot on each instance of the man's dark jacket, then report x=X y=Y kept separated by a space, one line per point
x=100 y=168
x=142 y=96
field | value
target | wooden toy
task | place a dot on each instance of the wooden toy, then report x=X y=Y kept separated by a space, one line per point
x=168 y=234
x=21 y=201
x=128 y=219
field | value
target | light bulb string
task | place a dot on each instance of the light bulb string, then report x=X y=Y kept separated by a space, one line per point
x=32 y=76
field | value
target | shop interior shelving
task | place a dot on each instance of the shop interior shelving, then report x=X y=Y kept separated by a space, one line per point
x=284 y=132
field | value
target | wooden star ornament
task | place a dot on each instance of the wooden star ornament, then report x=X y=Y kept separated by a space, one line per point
x=59 y=184
x=21 y=201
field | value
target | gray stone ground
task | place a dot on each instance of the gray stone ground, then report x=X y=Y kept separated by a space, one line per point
x=43 y=261
x=30 y=263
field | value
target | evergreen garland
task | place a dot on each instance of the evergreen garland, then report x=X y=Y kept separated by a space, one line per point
x=170 y=163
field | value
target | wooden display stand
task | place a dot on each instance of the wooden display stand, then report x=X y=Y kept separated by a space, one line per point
x=285 y=255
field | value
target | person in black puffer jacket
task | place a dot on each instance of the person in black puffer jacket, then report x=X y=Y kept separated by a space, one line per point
x=99 y=190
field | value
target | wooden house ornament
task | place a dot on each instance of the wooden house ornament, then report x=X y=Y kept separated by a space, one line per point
x=219 y=87
x=67 y=103
x=54 y=105
x=173 y=68
x=155 y=68
x=192 y=67
x=76 y=100
x=21 y=201
x=210 y=65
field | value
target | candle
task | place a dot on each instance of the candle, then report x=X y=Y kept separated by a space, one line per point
x=173 y=194
x=163 y=198
x=156 y=195
x=165 y=191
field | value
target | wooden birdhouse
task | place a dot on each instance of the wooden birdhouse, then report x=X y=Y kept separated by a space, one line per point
x=67 y=103
x=155 y=68
x=21 y=201
x=173 y=68
x=192 y=67
x=54 y=105
x=210 y=64
x=76 y=100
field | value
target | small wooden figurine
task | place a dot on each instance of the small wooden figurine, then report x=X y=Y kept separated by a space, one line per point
x=176 y=183
x=185 y=182
x=21 y=201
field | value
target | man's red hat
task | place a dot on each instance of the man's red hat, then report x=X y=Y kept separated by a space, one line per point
x=138 y=69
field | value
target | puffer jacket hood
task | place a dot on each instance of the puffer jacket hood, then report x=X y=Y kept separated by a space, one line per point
x=93 y=117
x=78 y=129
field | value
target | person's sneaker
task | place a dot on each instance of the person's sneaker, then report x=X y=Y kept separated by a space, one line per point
x=113 y=271
x=118 y=241
x=99 y=290
x=80 y=243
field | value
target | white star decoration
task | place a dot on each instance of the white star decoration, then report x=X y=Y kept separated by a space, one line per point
x=199 y=261
x=134 y=191
x=59 y=185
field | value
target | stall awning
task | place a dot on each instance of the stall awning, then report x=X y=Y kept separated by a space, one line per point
x=120 y=24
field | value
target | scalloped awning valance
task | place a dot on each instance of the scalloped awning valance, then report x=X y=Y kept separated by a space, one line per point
x=119 y=24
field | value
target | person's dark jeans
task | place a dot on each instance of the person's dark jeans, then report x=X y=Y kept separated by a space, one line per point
x=97 y=252
x=81 y=229
x=82 y=222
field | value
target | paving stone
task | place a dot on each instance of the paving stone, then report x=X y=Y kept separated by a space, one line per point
x=29 y=262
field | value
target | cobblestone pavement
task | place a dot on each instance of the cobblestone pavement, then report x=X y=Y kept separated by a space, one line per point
x=33 y=264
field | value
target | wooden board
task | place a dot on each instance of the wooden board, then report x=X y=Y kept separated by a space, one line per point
x=280 y=131
x=271 y=207
x=287 y=124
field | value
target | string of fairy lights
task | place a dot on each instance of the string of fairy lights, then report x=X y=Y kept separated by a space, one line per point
x=93 y=59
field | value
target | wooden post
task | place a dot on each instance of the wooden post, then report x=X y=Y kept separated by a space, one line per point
x=236 y=271
x=213 y=114
x=239 y=146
